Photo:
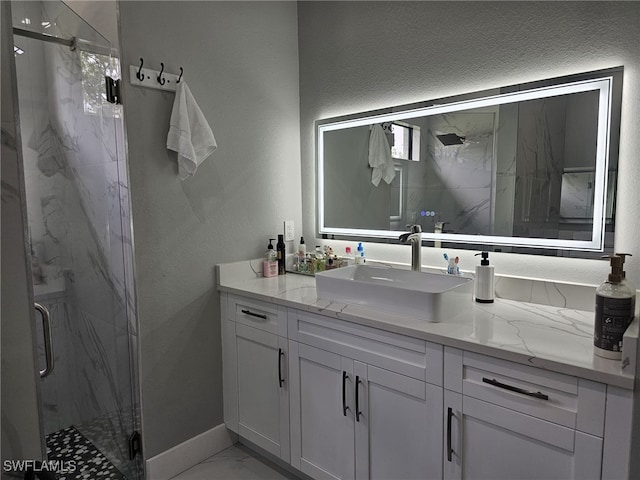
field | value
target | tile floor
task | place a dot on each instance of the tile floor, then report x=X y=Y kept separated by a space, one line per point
x=236 y=463
x=68 y=445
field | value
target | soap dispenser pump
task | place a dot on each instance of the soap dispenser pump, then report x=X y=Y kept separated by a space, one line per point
x=270 y=263
x=615 y=304
x=485 y=283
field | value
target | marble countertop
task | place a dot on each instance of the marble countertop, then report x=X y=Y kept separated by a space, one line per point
x=551 y=338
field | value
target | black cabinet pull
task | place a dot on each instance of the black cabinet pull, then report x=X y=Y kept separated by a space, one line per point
x=519 y=390
x=449 y=449
x=259 y=315
x=344 y=393
x=280 y=379
x=358 y=412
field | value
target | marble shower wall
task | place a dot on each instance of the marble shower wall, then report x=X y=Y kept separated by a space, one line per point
x=78 y=211
x=459 y=181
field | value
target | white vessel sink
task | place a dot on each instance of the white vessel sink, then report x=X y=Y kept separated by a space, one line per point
x=433 y=297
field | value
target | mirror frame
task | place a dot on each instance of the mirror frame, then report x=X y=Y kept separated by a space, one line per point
x=607 y=82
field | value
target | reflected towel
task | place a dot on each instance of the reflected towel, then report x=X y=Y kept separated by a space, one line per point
x=189 y=132
x=380 y=156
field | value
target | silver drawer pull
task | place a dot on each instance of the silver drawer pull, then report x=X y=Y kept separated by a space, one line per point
x=511 y=388
x=249 y=312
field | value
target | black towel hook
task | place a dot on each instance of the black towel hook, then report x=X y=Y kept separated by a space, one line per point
x=139 y=74
x=180 y=77
x=161 y=79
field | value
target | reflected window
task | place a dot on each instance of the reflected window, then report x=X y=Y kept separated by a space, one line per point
x=94 y=68
x=406 y=141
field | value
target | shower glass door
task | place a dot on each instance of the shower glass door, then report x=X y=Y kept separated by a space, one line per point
x=80 y=233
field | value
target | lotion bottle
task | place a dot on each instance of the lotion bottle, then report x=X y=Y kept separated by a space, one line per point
x=614 y=311
x=485 y=283
x=270 y=263
x=302 y=248
x=360 y=258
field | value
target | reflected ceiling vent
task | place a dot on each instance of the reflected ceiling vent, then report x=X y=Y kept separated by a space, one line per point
x=448 y=139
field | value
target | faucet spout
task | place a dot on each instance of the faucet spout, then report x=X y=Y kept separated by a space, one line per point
x=415 y=238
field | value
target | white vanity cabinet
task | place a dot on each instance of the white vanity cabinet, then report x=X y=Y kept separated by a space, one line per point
x=510 y=421
x=256 y=380
x=340 y=399
x=361 y=405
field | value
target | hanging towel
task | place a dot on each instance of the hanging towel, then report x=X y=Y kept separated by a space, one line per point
x=380 y=156
x=189 y=132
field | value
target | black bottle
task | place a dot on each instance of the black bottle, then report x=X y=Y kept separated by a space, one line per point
x=280 y=249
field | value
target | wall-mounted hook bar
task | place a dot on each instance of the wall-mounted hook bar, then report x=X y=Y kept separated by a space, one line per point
x=160 y=78
x=139 y=74
x=142 y=77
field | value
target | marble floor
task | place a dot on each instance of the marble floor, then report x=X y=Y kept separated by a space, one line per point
x=236 y=463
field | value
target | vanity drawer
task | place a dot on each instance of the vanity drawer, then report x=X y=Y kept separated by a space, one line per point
x=398 y=353
x=555 y=397
x=258 y=314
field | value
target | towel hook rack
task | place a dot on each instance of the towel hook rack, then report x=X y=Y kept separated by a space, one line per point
x=180 y=77
x=139 y=74
x=161 y=79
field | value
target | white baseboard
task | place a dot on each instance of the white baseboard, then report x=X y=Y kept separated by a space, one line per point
x=189 y=453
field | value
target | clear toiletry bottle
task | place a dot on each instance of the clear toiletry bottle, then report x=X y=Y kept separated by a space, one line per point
x=348 y=257
x=614 y=311
x=485 y=282
x=360 y=257
x=281 y=252
x=270 y=263
x=302 y=248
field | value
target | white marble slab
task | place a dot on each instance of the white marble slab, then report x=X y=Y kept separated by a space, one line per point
x=549 y=337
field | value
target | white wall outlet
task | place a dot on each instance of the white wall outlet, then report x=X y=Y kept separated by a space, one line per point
x=288 y=231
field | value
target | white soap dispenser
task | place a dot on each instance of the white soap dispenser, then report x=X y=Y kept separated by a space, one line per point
x=485 y=283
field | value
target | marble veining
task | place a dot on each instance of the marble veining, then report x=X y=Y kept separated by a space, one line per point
x=235 y=463
x=545 y=336
x=77 y=203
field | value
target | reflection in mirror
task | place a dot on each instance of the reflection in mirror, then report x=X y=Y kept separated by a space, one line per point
x=530 y=168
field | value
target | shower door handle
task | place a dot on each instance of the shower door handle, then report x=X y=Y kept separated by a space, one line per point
x=48 y=343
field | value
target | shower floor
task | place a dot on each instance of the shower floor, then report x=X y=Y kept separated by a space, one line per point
x=73 y=449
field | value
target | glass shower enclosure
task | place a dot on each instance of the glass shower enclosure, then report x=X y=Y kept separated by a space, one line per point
x=78 y=215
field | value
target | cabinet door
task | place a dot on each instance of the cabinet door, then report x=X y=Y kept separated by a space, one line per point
x=490 y=442
x=398 y=426
x=263 y=390
x=322 y=441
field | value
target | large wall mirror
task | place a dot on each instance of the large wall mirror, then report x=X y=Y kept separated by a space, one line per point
x=527 y=168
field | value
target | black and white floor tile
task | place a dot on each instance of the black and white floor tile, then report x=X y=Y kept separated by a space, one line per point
x=86 y=462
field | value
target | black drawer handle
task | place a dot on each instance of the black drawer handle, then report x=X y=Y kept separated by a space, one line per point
x=449 y=449
x=280 y=379
x=511 y=388
x=344 y=393
x=358 y=412
x=259 y=315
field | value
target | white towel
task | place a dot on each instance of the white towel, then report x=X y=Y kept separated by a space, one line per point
x=380 y=156
x=189 y=132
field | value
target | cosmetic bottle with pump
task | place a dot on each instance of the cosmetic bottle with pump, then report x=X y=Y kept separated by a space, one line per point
x=302 y=248
x=485 y=282
x=270 y=263
x=360 y=257
x=281 y=252
x=614 y=312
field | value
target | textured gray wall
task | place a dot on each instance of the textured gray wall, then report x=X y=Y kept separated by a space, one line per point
x=358 y=56
x=240 y=60
x=21 y=434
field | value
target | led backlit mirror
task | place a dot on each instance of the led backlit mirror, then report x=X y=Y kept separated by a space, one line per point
x=527 y=168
